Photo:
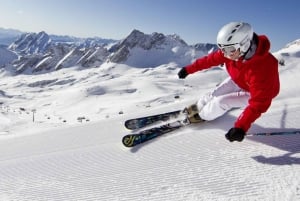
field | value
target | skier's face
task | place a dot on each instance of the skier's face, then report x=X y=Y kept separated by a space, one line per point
x=233 y=55
x=230 y=51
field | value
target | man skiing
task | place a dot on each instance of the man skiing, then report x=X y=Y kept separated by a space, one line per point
x=252 y=83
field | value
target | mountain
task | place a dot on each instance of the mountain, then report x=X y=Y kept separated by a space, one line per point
x=291 y=50
x=7 y=56
x=7 y=36
x=85 y=42
x=40 y=52
x=150 y=50
x=31 y=43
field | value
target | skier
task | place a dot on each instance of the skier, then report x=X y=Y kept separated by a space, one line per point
x=252 y=83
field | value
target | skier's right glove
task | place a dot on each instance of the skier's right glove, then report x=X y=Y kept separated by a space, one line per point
x=235 y=134
x=182 y=73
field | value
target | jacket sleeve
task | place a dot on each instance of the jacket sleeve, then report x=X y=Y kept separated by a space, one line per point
x=213 y=59
x=264 y=86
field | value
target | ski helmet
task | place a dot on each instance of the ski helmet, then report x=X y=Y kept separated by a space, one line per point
x=235 y=35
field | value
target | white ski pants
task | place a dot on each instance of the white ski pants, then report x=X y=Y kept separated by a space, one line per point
x=223 y=98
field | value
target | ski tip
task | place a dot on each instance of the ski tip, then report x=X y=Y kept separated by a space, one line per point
x=140 y=122
x=130 y=125
x=129 y=140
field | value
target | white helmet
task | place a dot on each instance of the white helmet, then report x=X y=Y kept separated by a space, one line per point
x=237 y=34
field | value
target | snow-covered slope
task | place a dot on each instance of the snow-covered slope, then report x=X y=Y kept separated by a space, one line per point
x=56 y=157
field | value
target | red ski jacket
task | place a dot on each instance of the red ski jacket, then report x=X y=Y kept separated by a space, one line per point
x=258 y=75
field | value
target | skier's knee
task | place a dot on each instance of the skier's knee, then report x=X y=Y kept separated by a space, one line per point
x=223 y=102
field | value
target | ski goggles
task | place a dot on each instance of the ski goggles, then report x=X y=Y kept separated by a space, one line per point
x=229 y=49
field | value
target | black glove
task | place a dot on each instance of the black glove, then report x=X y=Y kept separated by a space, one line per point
x=235 y=134
x=182 y=73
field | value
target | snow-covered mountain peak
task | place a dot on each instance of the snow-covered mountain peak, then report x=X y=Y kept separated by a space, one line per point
x=31 y=43
x=138 y=39
x=147 y=41
x=150 y=50
x=295 y=43
x=40 y=52
x=177 y=38
x=292 y=49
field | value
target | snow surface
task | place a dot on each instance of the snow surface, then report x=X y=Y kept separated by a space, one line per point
x=57 y=157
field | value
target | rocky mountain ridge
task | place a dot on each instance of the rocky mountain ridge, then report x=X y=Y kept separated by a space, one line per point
x=39 y=52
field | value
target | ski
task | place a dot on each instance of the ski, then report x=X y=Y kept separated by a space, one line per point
x=134 y=139
x=141 y=122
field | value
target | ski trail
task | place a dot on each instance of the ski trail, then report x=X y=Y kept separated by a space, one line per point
x=189 y=164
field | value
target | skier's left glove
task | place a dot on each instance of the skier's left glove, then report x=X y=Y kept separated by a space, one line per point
x=235 y=134
x=182 y=73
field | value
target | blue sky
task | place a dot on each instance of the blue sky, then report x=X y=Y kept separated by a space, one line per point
x=193 y=20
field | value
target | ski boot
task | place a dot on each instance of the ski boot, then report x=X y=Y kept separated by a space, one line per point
x=192 y=114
